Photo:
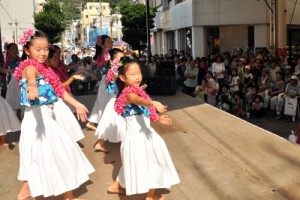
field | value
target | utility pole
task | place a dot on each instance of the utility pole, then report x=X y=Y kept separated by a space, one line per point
x=148 y=31
x=100 y=16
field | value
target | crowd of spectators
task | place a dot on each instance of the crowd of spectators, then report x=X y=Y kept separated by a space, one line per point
x=240 y=83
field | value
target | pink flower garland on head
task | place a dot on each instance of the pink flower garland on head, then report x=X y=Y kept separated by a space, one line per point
x=26 y=36
x=121 y=101
x=48 y=73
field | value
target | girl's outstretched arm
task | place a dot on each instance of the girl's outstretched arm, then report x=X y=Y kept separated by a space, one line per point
x=132 y=98
x=81 y=110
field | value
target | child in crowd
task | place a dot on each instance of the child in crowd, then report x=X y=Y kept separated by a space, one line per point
x=257 y=108
x=200 y=91
x=234 y=81
x=212 y=89
x=146 y=163
x=224 y=99
x=247 y=79
x=51 y=163
x=237 y=104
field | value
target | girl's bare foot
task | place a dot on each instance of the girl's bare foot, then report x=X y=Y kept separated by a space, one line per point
x=90 y=125
x=115 y=188
x=99 y=146
x=156 y=197
x=24 y=192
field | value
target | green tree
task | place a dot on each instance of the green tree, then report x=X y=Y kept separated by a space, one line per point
x=51 y=21
x=134 y=24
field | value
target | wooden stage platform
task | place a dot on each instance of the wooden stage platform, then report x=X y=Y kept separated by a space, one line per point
x=218 y=157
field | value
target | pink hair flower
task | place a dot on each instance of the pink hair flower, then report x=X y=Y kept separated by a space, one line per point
x=27 y=34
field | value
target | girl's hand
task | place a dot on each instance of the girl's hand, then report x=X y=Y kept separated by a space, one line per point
x=159 y=106
x=32 y=93
x=81 y=111
x=165 y=119
x=78 y=77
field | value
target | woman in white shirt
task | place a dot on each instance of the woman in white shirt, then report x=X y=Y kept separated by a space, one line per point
x=218 y=69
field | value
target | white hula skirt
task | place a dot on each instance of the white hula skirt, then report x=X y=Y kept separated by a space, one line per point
x=8 y=119
x=13 y=94
x=146 y=161
x=102 y=99
x=65 y=118
x=112 y=126
x=50 y=160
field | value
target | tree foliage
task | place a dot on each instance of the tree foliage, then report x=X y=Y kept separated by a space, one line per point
x=50 y=21
x=134 y=24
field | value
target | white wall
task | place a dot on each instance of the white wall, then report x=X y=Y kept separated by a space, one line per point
x=289 y=9
x=20 y=10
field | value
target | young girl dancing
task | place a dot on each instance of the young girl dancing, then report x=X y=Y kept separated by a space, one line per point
x=8 y=121
x=146 y=163
x=13 y=91
x=51 y=163
x=62 y=113
x=111 y=126
x=104 y=43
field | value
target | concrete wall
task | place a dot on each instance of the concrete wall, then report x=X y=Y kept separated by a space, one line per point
x=289 y=9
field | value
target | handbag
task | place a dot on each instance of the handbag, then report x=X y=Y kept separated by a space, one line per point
x=290 y=106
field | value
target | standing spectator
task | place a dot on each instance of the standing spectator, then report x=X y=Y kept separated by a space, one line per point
x=241 y=71
x=218 y=70
x=152 y=67
x=191 y=75
x=200 y=91
x=179 y=74
x=264 y=85
x=287 y=73
x=234 y=81
x=248 y=78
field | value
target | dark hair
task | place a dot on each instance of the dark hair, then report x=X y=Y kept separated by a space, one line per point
x=259 y=97
x=36 y=34
x=113 y=52
x=99 y=48
x=126 y=62
x=51 y=53
x=10 y=45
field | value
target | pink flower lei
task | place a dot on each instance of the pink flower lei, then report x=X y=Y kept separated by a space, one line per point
x=113 y=71
x=121 y=101
x=48 y=73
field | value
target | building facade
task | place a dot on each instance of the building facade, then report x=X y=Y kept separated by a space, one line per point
x=16 y=16
x=201 y=27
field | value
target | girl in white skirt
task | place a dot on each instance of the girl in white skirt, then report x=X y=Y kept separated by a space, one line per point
x=13 y=91
x=62 y=112
x=104 y=43
x=51 y=163
x=8 y=121
x=111 y=126
x=146 y=163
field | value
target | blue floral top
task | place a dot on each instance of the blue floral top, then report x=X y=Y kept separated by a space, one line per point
x=46 y=93
x=112 y=88
x=132 y=109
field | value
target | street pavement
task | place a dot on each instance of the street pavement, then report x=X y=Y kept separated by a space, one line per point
x=187 y=145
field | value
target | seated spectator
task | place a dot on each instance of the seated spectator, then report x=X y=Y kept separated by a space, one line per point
x=264 y=85
x=287 y=73
x=224 y=99
x=247 y=79
x=292 y=90
x=277 y=88
x=257 y=108
x=237 y=104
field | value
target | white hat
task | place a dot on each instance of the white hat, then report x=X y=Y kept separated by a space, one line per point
x=247 y=67
x=294 y=77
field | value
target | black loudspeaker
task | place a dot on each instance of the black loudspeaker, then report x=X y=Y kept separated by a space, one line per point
x=165 y=68
x=161 y=85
